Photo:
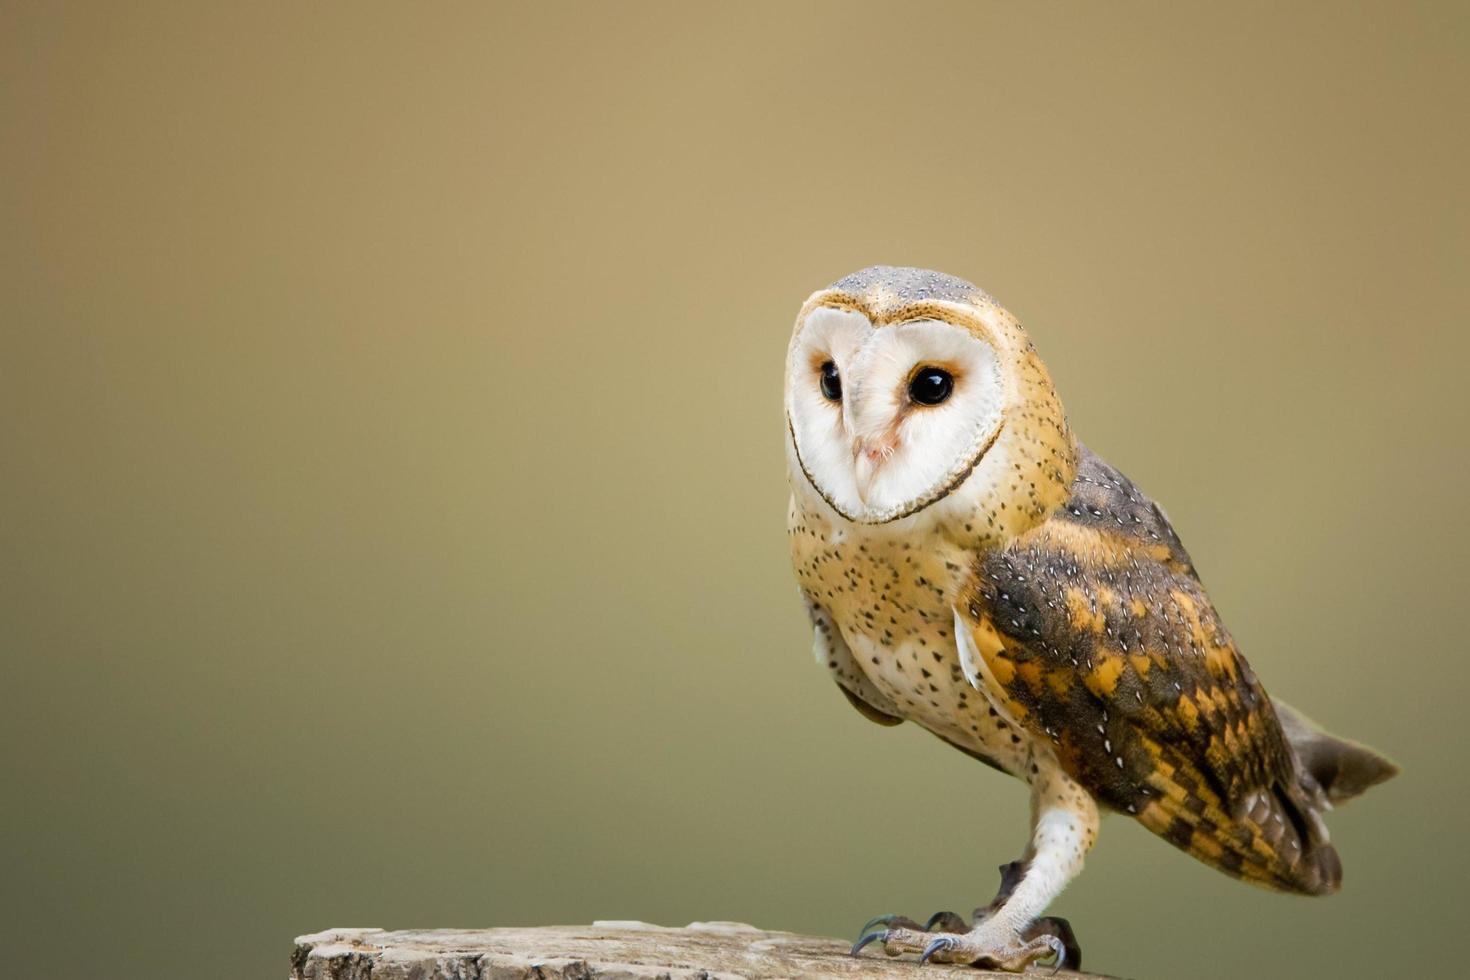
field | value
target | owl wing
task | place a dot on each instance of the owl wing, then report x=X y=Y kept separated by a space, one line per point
x=1094 y=632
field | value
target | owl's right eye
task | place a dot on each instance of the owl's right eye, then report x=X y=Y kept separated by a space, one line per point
x=831 y=383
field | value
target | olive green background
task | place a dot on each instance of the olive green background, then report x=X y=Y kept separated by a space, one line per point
x=391 y=488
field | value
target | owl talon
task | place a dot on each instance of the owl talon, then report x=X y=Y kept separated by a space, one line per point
x=891 y=922
x=1058 y=930
x=1060 y=951
x=947 y=922
x=941 y=944
x=865 y=939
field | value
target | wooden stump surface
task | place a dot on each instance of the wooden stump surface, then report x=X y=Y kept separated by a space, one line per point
x=612 y=950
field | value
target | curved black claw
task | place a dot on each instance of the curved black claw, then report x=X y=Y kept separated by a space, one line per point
x=1060 y=950
x=947 y=922
x=865 y=939
x=941 y=943
x=1059 y=929
x=890 y=922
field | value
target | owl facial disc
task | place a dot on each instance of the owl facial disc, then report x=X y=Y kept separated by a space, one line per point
x=885 y=420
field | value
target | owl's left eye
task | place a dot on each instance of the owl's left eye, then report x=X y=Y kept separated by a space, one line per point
x=831 y=382
x=931 y=385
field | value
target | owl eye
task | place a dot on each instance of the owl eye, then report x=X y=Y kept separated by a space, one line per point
x=831 y=383
x=930 y=386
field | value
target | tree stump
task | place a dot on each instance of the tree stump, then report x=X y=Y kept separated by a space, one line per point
x=612 y=950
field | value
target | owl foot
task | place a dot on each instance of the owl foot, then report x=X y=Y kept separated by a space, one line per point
x=956 y=939
x=983 y=946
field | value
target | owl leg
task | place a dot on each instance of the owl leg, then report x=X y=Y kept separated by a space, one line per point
x=1010 y=934
x=1052 y=925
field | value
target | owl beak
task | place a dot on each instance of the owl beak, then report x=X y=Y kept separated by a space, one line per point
x=868 y=459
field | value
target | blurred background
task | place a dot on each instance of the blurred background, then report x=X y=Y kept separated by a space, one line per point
x=392 y=499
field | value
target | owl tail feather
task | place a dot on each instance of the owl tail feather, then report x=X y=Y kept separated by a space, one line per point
x=1342 y=768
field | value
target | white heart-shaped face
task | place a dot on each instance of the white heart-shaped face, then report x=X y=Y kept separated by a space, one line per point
x=878 y=451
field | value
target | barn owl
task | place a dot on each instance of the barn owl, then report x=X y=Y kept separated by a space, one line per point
x=971 y=567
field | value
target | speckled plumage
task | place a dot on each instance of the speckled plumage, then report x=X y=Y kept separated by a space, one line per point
x=1030 y=606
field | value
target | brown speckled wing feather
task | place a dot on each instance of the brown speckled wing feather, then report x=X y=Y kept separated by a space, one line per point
x=1104 y=641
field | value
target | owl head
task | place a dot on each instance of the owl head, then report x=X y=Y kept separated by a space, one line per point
x=912 y=395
